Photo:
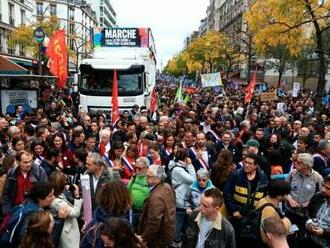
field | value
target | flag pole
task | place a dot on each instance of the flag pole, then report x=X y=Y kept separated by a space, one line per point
x=247 y=111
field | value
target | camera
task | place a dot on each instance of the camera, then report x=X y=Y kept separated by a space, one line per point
x=70 y=180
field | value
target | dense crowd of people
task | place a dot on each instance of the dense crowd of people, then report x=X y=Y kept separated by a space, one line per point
x=204 y=172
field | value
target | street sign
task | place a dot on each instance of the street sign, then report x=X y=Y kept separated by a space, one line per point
x=39 y=35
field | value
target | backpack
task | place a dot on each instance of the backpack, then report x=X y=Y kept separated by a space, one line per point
x=13 y=226
x=168 y=178
x=249 y=229
x=92 y=238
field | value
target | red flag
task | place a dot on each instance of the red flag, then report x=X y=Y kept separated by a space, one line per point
x=58 y=58
x=250 y=88
x=153 y=101
x=115 y=111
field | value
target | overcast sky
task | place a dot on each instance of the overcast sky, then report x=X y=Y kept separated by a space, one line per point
x=170 y=20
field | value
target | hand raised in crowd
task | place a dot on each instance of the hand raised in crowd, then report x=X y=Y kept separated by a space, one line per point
x=293 y=203
x=237 y=215
x=76 y=191
x=188 y=161
x=318 y=231
x=63 y=212
x=188 y=211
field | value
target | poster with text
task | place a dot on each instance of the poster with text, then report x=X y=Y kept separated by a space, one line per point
x=11 y=98
x=211 y=80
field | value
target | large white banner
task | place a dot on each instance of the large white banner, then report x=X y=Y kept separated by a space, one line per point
x=211 y=80
x=12 y=98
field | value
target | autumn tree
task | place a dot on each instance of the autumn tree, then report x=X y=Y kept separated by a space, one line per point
x=280 y=60
x=24 y=35
x=292 y=23
x=206 y=50
x=177 y=65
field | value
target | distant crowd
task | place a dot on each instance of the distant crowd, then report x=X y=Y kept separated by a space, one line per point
x=204 y=172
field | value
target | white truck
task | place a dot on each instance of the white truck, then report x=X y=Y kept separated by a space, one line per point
x=129 y=51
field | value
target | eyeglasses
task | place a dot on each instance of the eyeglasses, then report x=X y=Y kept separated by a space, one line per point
x=201 y=180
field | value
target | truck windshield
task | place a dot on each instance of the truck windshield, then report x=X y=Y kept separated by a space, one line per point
x=99 y=82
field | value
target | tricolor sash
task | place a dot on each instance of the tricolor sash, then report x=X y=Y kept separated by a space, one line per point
x=215 y=135
x=110 y=163
x=202 y=161
x=39 y=160
x=128 y=164
x=167 y=152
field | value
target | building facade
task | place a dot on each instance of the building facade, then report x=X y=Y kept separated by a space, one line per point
x=77 y=17
x=105 y=14
x=14 y=13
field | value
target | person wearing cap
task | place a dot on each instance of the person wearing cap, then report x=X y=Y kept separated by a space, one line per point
x=244 y=188
x=135 y=110
x=252 y=146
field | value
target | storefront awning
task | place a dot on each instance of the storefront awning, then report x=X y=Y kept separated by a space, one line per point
x=9 y=67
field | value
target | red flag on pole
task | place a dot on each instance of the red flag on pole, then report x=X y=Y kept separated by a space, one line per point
x=153 y=101
x=58 y=59
x=250 y=88
x=115 y=111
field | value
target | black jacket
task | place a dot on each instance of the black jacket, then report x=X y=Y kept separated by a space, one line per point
x=314 y=206
x=220 y=238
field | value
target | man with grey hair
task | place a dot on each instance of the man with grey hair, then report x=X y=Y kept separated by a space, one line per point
x=138 y=187
x=157 y=225
x=104 y=145
x=321 y=157
x=305 y=182
x=98 y=175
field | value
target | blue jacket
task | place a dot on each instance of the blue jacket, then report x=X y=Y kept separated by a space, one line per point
x=193 y=196
x=238 y=195
x=17 y=226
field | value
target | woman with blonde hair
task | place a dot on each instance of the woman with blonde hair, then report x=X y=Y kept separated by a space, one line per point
x=40 y=226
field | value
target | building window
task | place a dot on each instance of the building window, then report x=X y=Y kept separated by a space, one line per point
x=52 y=9
x=71 y=14
x=39 y=9
x=23 y=17
x=11 y=14
x=21 y=50
x=71 y=28
x=71 y=45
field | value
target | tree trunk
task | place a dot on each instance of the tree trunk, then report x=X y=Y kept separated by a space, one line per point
x=280 y=74
x=321 y=58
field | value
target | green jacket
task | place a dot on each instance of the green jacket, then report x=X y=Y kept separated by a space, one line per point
x=138 y=187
